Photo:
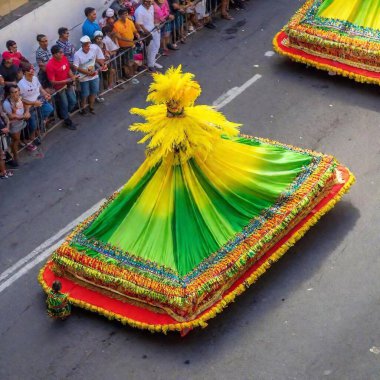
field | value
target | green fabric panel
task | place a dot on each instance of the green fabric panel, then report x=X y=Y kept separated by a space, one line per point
x=196 y=231
x=108 y=221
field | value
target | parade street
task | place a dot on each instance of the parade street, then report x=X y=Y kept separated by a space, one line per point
x=313 y=315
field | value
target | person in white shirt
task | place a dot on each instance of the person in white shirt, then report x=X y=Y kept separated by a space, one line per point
x=34 y=95
x=111 y=44
x=144 y=16
x=84 y=62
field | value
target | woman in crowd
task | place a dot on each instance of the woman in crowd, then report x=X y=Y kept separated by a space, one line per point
x=18 y=115
x=162 y=16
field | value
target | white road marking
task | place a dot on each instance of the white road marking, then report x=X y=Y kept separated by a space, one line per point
x=234 y=92
x=43 y=251
x=34 y=257
x=26 y=268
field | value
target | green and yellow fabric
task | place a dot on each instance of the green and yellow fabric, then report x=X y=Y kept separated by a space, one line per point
x=204 y=206
x=58 y=306
x=336 y=35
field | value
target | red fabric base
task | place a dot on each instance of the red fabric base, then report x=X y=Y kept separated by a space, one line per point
x=325 y=61
x=142 y=315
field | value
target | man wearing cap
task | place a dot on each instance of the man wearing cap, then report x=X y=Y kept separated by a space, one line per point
x=84 y=62
x=90 y=26
x=62 y=78
x=144 y=15
x=108 y=18
x=125 y=32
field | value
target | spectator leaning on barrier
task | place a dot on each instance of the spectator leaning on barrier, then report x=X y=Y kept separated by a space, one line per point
x=125 y=32
x=62 y=78
x=178 y=9
x=63 y=42
x=37 y=98
x=108 y=72
x=18 y=114
x=162 y=16
x=43 y=55
x=4 y=130
x=145 y=21
x=17 y=58
x=84 y=62
x=90 y=26
x=10 y=73
x=110 y=41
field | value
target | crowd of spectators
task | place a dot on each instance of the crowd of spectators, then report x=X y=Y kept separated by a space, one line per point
x=132 y=30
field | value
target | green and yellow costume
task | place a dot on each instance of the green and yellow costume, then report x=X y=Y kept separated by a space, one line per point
x=203 y=208
x=58 y=306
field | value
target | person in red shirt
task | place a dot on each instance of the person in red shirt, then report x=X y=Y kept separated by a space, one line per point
x=12 y=53
x=62 y=78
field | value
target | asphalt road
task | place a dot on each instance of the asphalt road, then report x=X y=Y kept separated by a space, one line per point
x=314 y=315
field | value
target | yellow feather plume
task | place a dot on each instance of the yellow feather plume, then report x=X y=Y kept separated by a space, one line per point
x=192 y=133
x=174 y=85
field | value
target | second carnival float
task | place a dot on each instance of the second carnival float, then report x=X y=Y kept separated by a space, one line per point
x=205 y=215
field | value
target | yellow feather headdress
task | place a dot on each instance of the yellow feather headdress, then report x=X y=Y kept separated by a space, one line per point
x=193 y=131
x=174 y=85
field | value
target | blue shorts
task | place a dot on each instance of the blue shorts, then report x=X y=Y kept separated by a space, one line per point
x=90 y=87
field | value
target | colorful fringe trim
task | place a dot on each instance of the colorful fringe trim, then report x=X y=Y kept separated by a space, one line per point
x=187 y=297
x=143 y=318
x=332 y=45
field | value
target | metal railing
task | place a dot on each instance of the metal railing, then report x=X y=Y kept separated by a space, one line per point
x=116 y=74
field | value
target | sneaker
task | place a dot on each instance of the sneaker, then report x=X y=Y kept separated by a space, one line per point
x=99 y=99
x=173 y=47
x=157 y=65
x=152 y=69
x=7 y=174
x=31 y=147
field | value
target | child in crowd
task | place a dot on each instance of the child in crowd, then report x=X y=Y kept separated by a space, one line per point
x=58 y=306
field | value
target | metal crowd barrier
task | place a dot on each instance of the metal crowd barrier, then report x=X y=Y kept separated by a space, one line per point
x=115 y=76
